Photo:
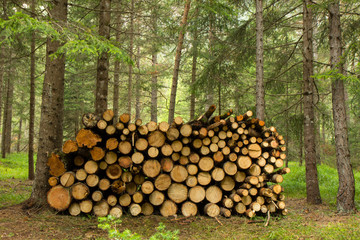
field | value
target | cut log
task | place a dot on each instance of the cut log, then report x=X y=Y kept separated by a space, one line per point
x=67 y=179
x=153 y=152
x=177 y=192
x=166 y=150
x=126 y=177
x=79 y=191
x=230 y=168
x=254 y=170
x=96 y=196
x=125 y=147
x=79 y=161
x=131 y=188
x=112 y=143
x=103 y=165
x=74 y=209
x=118 y=186
x=191 y=181
x=227 y=184
x=152 y=126
x=86 y=138
x=90 y=120
x=206 y=164
x=218 y=156
x=213 y=194
x=172 y=134
x=227 y=202
x=246 y=200
x=189 y=209
x=86 y=206
x=59 y=198
x=194 y=157
x=101 y=124
x=239 y=176
x=218 y=174
x=162 y=182
x=92 y=180
x=53 y=181
x=101 y=209
x=156 y=198
x=244 y=162
x=151 y=168
x=204 y=178
x=192 y=169
x=57 y=167
x=116 y=211
x=156 y=139
x=212 y=210
x=124 y=118
x=111 y=200
x=186 y=130
x=147 y=209
x=179 y=173
x=137 y=197
x=168 y=208
x=125 y=200
x=97 y=153
x=197 y=194
x=240 y=208
x=125 y=161
x=137 y=157
x=225 y=212
x=141 y=144
x=167 y=164
x=104 y=184
x=147 y=187
x=69 y=147
x=111 y=157
x=139 y=179
x=164 y=127
x=114 y=171
x=176 y=146
x=91 y=167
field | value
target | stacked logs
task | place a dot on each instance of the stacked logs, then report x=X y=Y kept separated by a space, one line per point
x=216 y=166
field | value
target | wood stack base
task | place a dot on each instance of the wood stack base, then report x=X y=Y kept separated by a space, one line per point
x=223 y=165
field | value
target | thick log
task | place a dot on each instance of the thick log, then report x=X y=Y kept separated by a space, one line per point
x=118 y=186
x=59 y=198
x=156 y=198
x=225 y=212
x=152 y=126
x=139 y=179
x=131 y=188
x=213 y=194
x=179 y=173
x=112 y=143
x=167 y=164
x=153 y=152
x=97 y=153
x=104 y=184
x=162 y=182
x=126 y=177
x=114 y=171
x=96 y=196
x=137 y=197
x=240 y=208
x=125 y=161
x=111 y=200
x=168 y=208
x=218 y=174
x=206 y=164
x=103 y=165
x=79 y=161
x=124 y=118
x=86 y=206
x=212 y=210
x=74 y=209
x=141 y=144
x=197 y=194
x=166 y=150
x=186 y=130
x=156 y=139
x=101 y=209
x=227 y=184
x=111 y=157
x=86 y=138
x=192 y=169
x=244 y=162
x=172 y=134
x=69 y=147
x=254 y=170
x=116 y=211
x=189 y=209
x=101 y=124
x=239 y=176
x=191 y=181
x=204 y=178
x=57 y=167
x=227 y=202
x=125 y=147
x=125 y=200
x=177 y=192
x=90 y=120
x=67 y=179
x=151 y=168
x=147 y=209
x=164 y=126
x=53 y=181
x=230 y=168
x=137 y=157
x=194 y=158
x=147 y=187
x=79 y=191
x=92 y=180
x=176 y=146
x=91 y=167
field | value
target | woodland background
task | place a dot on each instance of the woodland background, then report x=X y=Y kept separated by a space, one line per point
x=218 y=65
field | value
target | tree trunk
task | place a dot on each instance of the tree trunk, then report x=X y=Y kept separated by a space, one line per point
x=2 y=69
x=301 y=143
x=312 y=184
x=260 y=90
x=51 y=108
x=154 y=73
x=117 y=73
x=18 y=145
x=177 y=62
x=210 y=90
x=137 y=83
x=193 y=69
x=346 y=191
x=131 y=56
x=32 y=100
x=102 y=78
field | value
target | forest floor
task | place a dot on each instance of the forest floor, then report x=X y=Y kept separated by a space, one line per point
x=303 y=222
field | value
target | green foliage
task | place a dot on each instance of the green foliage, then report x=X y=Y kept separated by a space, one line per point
x=14 y=166
x=110 y=224
x=75 y=39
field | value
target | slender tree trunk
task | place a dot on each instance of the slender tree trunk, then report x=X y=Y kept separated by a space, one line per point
x=102 y=78
x=346 y=191
x=318 y=139
x=211 y=90
x=287 y=123
x=301 y=138
x=131 y=46
x=193 y=68
x=2 y=69
x=51 y=109
x=6 y=133
x=137 y=83
x=31 y=174
x=260 y=90
x=117 y=73
x=3 y=134
x=312 y=184
x=177 y=62
x=19 y=136
x=154 y=74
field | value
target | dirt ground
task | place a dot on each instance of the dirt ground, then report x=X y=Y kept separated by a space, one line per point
x=303 y=222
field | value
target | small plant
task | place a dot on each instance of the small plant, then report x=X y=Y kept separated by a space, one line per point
x=110 y=224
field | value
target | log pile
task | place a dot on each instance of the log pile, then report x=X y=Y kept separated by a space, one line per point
x=222 y=165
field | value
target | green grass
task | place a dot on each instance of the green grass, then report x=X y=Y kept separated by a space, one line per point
x=14 y=188
x=295 y=183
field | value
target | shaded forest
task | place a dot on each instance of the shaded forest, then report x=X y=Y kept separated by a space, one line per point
x=293 y=63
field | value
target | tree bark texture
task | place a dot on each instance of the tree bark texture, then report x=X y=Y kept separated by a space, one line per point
x=50 y=134
x=260 y=90
x=346 y=191
x=2 y=69
x=117 y=73
x=131 y=49
x=312 y=184
x=31 y=174
x=138 y=84
x=102 y=78
x=193 y=68
x=177 y=62
x=154 y=74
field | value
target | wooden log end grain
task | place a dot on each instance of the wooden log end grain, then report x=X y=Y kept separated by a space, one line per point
x=69 y=147
x=189 y=209
x=86 y=138
x=90 y=120
x=59 y=198
x=168 y=208
x=57 y=167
